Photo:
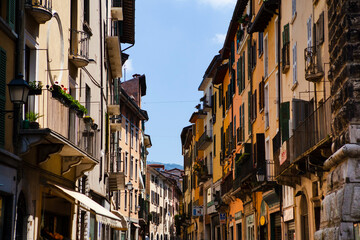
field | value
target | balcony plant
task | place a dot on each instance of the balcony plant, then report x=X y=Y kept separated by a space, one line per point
x=199 y=167
x=31 y=117
x=35 y=88
x=244 y=20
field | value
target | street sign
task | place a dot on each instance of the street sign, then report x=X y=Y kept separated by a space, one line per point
x=222 y=217
x=197 y=211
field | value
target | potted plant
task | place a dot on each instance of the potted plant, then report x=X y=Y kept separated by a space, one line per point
x=244 y=20
x=32 y=117
x=88 y=120
x=55 y=91
x=35 y=88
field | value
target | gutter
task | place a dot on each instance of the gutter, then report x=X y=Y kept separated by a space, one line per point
x=346 y=151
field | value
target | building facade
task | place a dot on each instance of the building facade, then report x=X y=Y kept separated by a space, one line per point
x=281 y=131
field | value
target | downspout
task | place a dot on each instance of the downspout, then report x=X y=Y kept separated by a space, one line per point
x=101 y=86
x=19 y=68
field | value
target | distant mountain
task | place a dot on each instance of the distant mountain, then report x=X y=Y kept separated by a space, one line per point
x=168 y=165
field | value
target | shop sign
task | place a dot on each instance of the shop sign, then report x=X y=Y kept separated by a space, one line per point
x=238 y=215
x=283 y=153
x=197 y=211
x=288 y=214
x=222 y=217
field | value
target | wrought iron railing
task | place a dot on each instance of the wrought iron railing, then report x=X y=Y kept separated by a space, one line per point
x=79 y=43
x=313 y=130
x=227 y=184
x=204 y=141
x=313 y=67
x=47 y=4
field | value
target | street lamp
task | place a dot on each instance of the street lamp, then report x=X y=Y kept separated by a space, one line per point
x=19 y=90
x=129 y=187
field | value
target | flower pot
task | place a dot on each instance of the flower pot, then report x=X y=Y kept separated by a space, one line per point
x=88 y=120
x=74 y=107
x=56 y=93
x=94 y=126
x=67 y=102
x=35 y=91
x=26 y=124
x=34 y=125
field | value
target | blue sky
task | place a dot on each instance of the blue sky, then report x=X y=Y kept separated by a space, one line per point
x=175 y=41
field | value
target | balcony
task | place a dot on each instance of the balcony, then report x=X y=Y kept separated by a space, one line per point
x=204 y=141
x=313 y=65
x=207 y=104
x=310 y=140
x=285 y=58
x=41 y=10
x=117 y=10
x=226 y=186
x=244 y=165
x=79 y=48
x=114 y=50
x=116 y=181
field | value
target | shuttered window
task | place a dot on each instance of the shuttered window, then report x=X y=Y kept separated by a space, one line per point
x=238 y=69
x=249 y=111
x=320 y=29
x=286 y=35
x=11 y=13
x=261 y=43
x=2 y=95
x=243 y=71
x=284 y=120
x=294 y=64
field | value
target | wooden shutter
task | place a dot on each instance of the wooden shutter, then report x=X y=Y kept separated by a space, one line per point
x=286 y=35
x=284 y=120
x=2 y=95
x=11 y=13
x=243 y=71
x=249 y=58
x=243 y=121
x=260 y=149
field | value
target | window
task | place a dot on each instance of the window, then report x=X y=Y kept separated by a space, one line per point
x=261 y=43
x=136 y=169
x=126 y=163
x=293 y=8
x=118 y=160
x=131 y=201
x=131 y=167
x=266 y=96
x=266 y=57
x=309 y=32
x=294 y=64
x=126 y=131
x=277 y=95
x=87 y=12
x=261 y=95
x=132 y=137
x=214 y=145
x=125 y=200
x=136 y=139
x=8 y=12
x=238 y=231
x=87 y=98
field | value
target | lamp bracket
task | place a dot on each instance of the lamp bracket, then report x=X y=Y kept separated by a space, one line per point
x=4 y=112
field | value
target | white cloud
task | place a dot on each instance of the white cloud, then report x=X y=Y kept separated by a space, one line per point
x=219 y=38
x=218 y=3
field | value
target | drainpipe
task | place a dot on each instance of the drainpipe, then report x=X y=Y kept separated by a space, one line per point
x=19 y=68
x=101 y=86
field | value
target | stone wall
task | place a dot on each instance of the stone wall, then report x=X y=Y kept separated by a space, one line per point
x=344 y=35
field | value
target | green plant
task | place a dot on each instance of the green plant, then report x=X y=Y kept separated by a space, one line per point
x=35 y=85
x=32 y=117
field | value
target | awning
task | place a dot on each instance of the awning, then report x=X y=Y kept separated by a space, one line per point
x=102 y=214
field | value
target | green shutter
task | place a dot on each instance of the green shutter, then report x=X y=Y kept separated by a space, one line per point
x=11 y=13
x=243 y=121
x=232 y=53
x=249 y=57
x=2 y=95
x=243 y=71
x=284 y=120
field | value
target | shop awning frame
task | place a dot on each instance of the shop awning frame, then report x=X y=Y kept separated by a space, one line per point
x=102 y=214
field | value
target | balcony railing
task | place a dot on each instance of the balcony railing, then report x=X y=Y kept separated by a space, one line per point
x=204 y=141
x=311 y=132
x=244 y=167
x=41 y=10
x=313 y=65
x=227 y=184
x=79 y=47
x=285 y=58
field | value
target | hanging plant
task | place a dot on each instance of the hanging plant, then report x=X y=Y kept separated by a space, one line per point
x=35 y=88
